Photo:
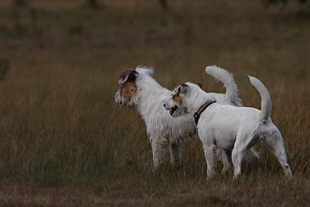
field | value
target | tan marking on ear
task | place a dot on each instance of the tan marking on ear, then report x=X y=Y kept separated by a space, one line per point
x=128 y=90
x=177 y=99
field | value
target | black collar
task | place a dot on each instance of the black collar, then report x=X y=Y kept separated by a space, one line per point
x=201 y=109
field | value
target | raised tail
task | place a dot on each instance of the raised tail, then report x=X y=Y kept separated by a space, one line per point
x=228 y=80
x=266 y=104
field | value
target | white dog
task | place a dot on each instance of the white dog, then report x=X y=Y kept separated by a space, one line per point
x=138 y=88
x=228 y=127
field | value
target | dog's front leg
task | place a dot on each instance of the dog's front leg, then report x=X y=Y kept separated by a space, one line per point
x=159 y=148
x=175 y=154
x=210 y=156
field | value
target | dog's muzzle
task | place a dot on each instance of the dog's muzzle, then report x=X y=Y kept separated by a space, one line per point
x=172 y=110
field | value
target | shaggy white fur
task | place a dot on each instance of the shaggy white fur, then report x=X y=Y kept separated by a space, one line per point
x=137 y=88
x=233 y=129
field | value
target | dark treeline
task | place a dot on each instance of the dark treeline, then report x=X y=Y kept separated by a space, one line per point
x=164 y=3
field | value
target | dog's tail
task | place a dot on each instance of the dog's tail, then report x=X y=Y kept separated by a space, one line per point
x=227 y=78
x=266 y=104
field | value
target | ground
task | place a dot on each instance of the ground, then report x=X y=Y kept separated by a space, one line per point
x=64 y=141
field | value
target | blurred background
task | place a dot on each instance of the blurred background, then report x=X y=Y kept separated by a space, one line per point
x=60 y=127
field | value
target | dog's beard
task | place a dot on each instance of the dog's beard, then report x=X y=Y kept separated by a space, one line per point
x=176 y=111
x=172 y=110
x=123 y=102
x=126 y=103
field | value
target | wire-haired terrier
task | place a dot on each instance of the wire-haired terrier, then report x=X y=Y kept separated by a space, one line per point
x=137 y=88
x=232 y=129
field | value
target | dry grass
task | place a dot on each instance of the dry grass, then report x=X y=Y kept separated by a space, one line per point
x=64 y=142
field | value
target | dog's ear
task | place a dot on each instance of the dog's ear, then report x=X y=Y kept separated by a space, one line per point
x=199 y=84
x=183 y=88
x=128 y=76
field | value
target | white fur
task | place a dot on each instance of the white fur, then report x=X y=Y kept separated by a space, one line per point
x=164 y=131
x=231 y=128
x=231 y=95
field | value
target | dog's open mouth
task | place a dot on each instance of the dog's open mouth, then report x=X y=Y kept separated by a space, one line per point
x=172 y=110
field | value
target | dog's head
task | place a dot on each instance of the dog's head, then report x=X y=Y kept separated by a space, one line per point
x=175 y=105
x=128 y=86
x=180 y=98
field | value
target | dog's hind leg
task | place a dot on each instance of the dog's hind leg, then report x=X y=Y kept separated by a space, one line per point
x=242 y=144
x=237 y=157
x=275 y=143
x=175 y=153
x=227 y=162
x=251 y=155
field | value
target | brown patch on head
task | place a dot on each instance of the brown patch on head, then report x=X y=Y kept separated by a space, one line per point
x=127 y=76
x=128 y=90
x=177 y=99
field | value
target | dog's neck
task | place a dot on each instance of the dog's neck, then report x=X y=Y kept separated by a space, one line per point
x=201 y=109
x=196 y=100
x=150 y=96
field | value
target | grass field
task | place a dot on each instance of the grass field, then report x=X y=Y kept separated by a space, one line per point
x=63 y=140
